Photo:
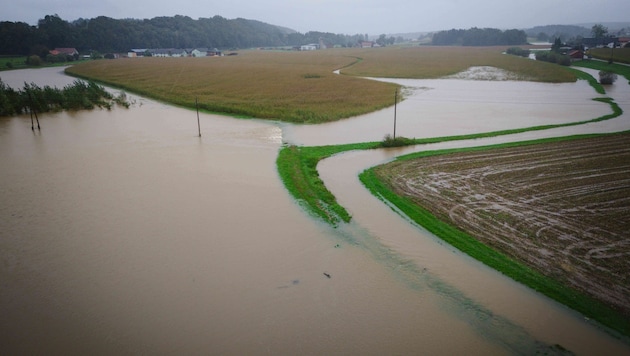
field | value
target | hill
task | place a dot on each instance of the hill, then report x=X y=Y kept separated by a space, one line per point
x=107 y=35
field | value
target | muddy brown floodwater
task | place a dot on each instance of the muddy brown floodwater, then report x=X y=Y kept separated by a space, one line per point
x=123 y=232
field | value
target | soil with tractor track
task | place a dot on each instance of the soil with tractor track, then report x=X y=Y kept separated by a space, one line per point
x=562 y=208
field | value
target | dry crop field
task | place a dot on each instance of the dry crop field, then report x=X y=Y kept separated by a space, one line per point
x=288 y=86
x=428 y=62
x=301 y=86
x=561 y=208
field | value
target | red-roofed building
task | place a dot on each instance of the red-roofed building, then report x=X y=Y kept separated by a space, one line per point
x=66 y=51
x=576 y=55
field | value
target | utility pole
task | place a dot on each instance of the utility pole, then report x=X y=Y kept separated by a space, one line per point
x=395 y=103
x=198 y=124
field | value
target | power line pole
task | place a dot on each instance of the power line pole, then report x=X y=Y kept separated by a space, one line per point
x=395 y=103
x=198 y=124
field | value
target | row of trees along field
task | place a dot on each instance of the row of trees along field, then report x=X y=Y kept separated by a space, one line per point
x=479 y=37
x=120 y=35
x=79 y=95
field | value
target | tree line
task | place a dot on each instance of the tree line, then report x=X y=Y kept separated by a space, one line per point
x=78 y=95
x=479 y=37
x=108 y=35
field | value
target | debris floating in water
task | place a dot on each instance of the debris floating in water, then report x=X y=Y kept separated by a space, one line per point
x=326 y=274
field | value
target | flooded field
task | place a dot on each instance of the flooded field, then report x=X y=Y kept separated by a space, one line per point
x=123 y=232
x=559 y=207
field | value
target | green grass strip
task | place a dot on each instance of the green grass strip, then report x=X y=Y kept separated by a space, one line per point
x=620 y=69
x=297 y=166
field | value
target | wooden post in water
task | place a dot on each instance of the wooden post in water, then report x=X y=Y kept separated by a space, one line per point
x=32 y=110
x=395 y=102
x=198 y=124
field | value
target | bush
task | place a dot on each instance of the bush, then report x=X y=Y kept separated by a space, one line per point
x=59 y=58
x=607 y=78
x=389 y=141
x=34 y=60
x=553 y=57
x=517 y=51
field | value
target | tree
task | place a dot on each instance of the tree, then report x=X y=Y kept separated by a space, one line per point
x=599 y=31
x=382 y=40
x=59 y=33
x=557 y=44
x=542 y=36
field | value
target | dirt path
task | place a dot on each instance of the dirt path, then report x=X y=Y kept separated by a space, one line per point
x=561 y=208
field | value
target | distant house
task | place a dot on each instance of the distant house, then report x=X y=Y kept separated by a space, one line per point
x=214 y=52
x=366 y=44
x=136 y=52
x=576 y=55
x=199 y=52
x=66 y=51
x=161 y=52
x=175 y=52
x=593 y=42
x=168 y=52
x=309 y=47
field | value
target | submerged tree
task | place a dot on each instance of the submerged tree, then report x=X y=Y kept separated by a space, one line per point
x=607 y=77
x=79 y=95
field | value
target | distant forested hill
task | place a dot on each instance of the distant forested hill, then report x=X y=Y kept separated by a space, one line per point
x=120 y=35
x=563 y=32
x=479 y=37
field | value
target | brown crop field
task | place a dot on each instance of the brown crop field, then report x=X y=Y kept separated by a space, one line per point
x=436 y=62
x=560 y=208
x=301 y=86
x=288 y=86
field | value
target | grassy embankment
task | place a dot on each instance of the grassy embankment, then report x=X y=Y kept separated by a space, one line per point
x=12 y=62
x=19 y=62
x=620 y=69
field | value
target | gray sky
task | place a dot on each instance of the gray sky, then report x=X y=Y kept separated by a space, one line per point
x=373 y=17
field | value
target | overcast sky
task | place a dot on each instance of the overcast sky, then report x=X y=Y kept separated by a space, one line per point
x=373 y=17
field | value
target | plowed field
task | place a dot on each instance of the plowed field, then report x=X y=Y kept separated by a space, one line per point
x=562 y=208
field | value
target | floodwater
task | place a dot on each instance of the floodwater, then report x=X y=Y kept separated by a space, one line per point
x=124 y=232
